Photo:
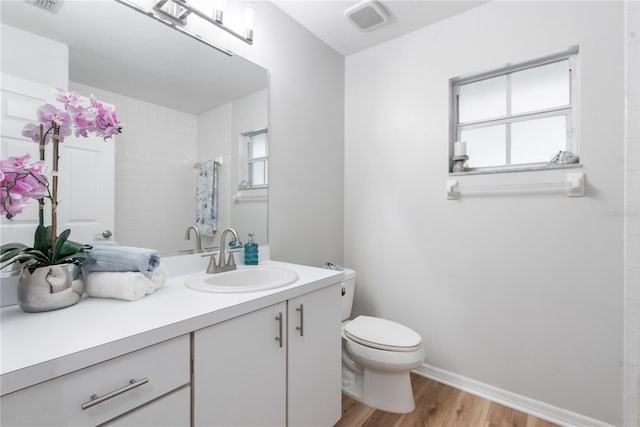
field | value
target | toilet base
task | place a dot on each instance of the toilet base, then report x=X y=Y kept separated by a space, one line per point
x=387 y=391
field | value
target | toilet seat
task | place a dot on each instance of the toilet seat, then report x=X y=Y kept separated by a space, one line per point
x=382 y=334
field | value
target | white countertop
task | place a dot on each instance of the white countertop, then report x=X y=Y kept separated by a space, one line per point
x=36 y=347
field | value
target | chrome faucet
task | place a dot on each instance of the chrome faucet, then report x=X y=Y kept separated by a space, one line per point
x=222 y=265
x=187 y=236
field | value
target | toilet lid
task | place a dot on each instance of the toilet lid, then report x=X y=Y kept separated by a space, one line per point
x=383 y=334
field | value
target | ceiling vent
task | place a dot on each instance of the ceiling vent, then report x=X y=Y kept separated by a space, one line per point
x=52 y=6
x=367 y=15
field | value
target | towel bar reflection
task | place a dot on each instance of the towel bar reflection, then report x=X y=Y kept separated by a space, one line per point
x=573 y=185
x=241 y=197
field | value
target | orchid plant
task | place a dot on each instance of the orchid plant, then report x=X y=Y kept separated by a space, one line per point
x=23 y=179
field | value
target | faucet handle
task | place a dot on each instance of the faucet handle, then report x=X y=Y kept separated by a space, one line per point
x=208 y=253
x=212 y=267
x=231 y=261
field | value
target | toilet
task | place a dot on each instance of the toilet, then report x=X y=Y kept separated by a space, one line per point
x=377 y=357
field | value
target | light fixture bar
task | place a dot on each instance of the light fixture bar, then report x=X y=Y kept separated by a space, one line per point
x=174 y=26
x=199 y=14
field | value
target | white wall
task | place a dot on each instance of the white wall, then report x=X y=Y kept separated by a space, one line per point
x=632 y=226
x=154 y=181
x=306 y=133
x=34 y=58
x=250 y=113
x=521 y=292
x=219 y=135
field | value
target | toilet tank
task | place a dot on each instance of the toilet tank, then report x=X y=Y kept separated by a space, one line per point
x=348 y=288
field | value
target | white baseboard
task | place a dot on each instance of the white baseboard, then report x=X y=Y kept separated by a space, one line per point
x=521 y=403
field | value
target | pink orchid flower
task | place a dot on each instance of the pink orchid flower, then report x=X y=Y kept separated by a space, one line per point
x=32 y=131
x=67 y=98
x=83 y=119
x=22 y=180
x=48 y=113
x=107 y=123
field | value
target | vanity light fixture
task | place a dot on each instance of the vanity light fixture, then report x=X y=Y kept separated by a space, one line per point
x=173 y=24
x=178 y=11
x=52 y=6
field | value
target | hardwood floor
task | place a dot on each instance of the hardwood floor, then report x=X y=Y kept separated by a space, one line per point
x=438 y=405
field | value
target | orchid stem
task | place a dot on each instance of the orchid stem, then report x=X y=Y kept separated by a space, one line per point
x=54 y=198
x=41 y=201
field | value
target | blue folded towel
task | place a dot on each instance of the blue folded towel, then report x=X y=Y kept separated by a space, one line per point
x=122 y=258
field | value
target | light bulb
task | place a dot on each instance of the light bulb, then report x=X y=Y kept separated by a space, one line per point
x=218 y=11
x=249 y=15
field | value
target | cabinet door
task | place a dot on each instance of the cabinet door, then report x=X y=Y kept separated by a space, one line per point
x=314 y=376
x=239 y=370
x=171 y=410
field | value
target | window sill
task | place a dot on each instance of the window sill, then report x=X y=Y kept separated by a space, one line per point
x=519 y=168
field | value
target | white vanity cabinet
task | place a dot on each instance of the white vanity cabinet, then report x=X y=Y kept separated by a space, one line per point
x=276 y=366
x=105 y=391
x=314 y=380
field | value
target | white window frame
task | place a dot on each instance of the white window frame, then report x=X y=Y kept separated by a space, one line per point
x=247 y=138
x=570 y=111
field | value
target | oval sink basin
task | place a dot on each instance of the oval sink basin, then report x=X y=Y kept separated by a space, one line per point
x=244 y=279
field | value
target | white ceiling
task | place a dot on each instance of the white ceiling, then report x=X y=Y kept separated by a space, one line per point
x=326 y=20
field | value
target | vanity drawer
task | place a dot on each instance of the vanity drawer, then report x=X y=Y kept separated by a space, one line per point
x=155 y=371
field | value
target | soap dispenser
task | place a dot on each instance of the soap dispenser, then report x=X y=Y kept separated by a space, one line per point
x=251 y=251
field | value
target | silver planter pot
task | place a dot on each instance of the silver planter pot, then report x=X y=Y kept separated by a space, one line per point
x=50 y=288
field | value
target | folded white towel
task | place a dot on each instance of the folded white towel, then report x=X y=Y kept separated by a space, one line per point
x=158 y=278
x=128 y=286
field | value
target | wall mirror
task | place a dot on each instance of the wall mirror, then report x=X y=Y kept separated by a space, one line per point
x=183 y=104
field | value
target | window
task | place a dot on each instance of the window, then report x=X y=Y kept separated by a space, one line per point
x=519 y=115
x=257 y=159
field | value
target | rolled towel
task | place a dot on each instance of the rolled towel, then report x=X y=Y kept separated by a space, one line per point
x=128 y=286
x=158 y=278
x=121 y=259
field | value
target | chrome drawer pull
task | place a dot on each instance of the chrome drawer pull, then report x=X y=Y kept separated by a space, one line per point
x=301 y=327
x=279 y=337
x=96 y=400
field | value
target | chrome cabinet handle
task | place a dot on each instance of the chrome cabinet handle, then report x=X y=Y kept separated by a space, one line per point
x=279 y=337
x=96 y=400
x=301 y=327
x=107 y=233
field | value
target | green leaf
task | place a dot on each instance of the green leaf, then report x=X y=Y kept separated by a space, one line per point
x=10 y=250
x=69 y=248
x=60 y=241
x=39 y=256
x=42 y=253
x=42 y=238
x=7 y=255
